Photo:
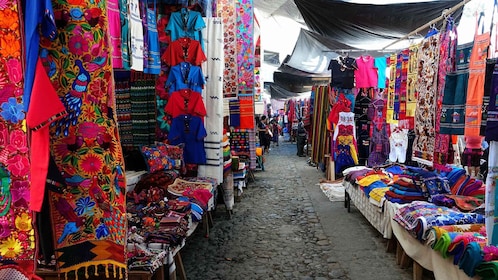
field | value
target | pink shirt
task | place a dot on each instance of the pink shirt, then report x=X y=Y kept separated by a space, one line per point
x=473 y=142
x=366 y=75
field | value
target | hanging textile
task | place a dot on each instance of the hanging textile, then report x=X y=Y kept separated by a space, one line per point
x=143 y=108
x=447 y=50
x=411 y=99
x=362 y=121
x=115 y=32
x=423 y=146
x=152 y=58
x=477 y=72
x=89 y=220
x=227 y=11
x=320 y=138
x=245 y=46
x=401 y=85
x=213 y=99
x=246 y=112
x=455 y=93
x=125 y=34
x=492 y=119
x=379 y=131
x=186 y=23
x=490 y=65
x=491 y=195
x=137 y=36
x=17 y=238
x=346 y=154
x=123 y=108
x=392 y=96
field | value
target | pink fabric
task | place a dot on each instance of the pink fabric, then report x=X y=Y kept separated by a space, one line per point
x=45 y=107
x=473 y=142
x=113 y=14
x=366 y=75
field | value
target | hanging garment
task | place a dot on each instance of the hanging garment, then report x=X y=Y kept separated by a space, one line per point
x=124 y=17
x=152 y=57
x=379 y=140
x=190 y=131
x=381 y=65
x=186 y=23
x=366 y=74
x=90 y=220
x=398 y=142
x=184 y=75
x=492 y=119
x=40 y=13
x=115 y=32
x=362 y=121
x=411 y=100
x=477 y=73
x=184 y=49
x=226 y=10
x=185 y=102
x=342 y=72
x=137 y=36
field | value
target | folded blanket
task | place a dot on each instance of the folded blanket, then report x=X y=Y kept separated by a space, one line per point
x=434 y=235
x=487 y=270
x=460 y=243
x=471 y=261
x=443 y=243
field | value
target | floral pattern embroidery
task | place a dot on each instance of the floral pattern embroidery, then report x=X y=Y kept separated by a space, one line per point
x=85 y=143
x=16 y=230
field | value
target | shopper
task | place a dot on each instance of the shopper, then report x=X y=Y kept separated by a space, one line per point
x=471 y=158
x=301 y=138
x=264 y=134
x=275 y=128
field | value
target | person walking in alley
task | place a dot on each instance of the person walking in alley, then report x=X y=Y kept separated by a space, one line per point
x=301 y=138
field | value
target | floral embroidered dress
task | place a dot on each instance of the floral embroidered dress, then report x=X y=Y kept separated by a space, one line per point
x=17 y=237
x=88 y=216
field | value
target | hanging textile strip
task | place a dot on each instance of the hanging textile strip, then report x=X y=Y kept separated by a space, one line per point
x=245 y=44
x=89 y=222
x=213 y=99
x=17 y=237
x=320 y=136
x=234 y=108
x=492 y=195
x=490 y=65
x=246 y=112
x=123 y=108
x=143 y=108
x=475 y=91
x=455 y=93
x=227 y=11
x=404 y=60
x=411 y=100
x=446 y=56
x=423 y=147
x=391 y=90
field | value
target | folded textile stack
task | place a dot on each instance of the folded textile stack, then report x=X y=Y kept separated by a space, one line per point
x=404 y=190
x=419 y=217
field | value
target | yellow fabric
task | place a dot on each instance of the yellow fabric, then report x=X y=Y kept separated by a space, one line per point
x=365 y=182
x=378 y=193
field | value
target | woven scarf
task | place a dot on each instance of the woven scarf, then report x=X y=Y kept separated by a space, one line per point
x=226 y=11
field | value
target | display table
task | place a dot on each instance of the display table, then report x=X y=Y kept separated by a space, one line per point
x=423 y=255
x=376 y=216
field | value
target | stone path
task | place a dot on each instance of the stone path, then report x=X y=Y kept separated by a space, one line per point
x=284 y=227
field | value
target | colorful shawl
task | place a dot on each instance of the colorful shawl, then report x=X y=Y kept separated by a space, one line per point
x=89 y=217
x=227 y=11
x=17 y=237
x=425 y=114
x=411 y=100
x=319 y=134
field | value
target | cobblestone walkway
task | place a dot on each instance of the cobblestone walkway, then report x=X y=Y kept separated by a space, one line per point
x=284 y=227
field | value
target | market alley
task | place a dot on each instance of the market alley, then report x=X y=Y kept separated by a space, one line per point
x=284 y=227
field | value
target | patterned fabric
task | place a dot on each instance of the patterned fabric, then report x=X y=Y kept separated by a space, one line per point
x=123 y=108
x=227 y=11
x=89 y=220
x=419 y=217
x=320 y=139
x=245 y=45
x=411 y=100
x=475 y=90
x=143 y=108
x=447 y=50
x=17 y=237
x=423 y=147
x=213 y=99
x=156 y=159
x=246 y=112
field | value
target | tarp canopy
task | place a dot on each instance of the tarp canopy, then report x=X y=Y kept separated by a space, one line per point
x=346 y=26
